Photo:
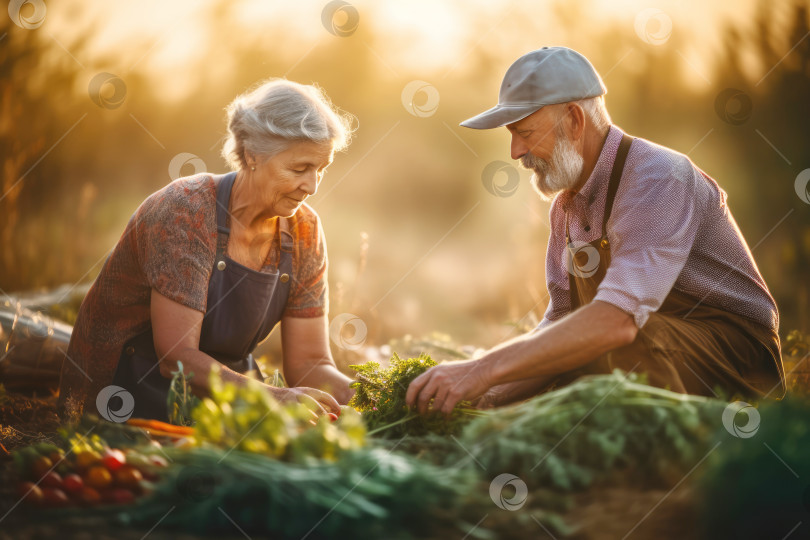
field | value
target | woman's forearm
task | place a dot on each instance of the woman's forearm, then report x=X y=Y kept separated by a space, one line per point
x=327 y=377
x=200 y=364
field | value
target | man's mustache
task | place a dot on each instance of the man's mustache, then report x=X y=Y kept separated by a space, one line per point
x=532 y=162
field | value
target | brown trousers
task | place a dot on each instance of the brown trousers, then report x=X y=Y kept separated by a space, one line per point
x=709 y=348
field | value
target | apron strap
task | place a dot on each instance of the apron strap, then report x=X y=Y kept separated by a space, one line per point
x=615 y=178
x=224 y=186
x=613 y=187
x=286 y=237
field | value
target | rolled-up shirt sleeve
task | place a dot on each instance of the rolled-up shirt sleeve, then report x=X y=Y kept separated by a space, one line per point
x=309 y=292
x=652 y=229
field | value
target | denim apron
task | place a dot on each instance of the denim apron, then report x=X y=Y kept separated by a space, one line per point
x=686 y=345
x=243 y=307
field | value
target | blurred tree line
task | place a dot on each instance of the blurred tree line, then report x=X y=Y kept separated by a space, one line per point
x=74 y=170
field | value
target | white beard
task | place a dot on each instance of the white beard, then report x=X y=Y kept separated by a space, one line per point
x=560 y=173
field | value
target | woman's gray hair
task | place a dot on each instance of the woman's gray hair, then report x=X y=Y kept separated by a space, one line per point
x=278 y=113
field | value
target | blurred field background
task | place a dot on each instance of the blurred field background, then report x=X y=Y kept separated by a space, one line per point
x=417 y=243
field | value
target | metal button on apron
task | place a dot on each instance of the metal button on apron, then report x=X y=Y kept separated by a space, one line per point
x=285 y=278
x=221 y=265
x=130 y=350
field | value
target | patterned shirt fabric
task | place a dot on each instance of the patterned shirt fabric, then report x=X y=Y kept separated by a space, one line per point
x=169 y=245
x=670 y=227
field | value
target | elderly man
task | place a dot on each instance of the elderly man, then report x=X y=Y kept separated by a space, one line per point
x=646 y=268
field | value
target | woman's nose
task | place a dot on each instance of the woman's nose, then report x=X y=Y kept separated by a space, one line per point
x=310 y=182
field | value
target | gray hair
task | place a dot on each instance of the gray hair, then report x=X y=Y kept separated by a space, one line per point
x=596 y=111
x=278 y=113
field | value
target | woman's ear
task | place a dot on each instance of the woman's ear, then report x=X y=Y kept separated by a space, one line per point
x=250 y=159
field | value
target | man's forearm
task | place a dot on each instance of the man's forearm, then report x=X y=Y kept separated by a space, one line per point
x=564 y=345
x=505 y=394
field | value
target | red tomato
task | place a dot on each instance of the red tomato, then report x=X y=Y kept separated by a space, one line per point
x=333 y=416
x=30 y=492
x=98 y=477
x=113 y=459
x=128 y=477
x=55 y=497
x=72 y=483
x=41 y=466
x=89 y=496
x=121 y=496
x=51 y=480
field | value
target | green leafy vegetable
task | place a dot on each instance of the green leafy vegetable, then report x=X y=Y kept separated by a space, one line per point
x=380 y=396
x=368 y=493
x=248 y=418
x=592 y=429
x=180 y=401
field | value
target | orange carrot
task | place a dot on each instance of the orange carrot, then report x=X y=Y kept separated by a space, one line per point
x=160 y=426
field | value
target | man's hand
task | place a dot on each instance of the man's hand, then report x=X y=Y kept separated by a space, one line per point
x=447 y=384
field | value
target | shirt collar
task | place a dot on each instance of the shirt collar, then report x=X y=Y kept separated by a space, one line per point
x=601 y=171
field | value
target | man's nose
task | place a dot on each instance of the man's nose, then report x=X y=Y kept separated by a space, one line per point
x=518 y=147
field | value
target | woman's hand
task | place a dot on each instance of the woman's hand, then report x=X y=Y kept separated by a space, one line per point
x=317 y=401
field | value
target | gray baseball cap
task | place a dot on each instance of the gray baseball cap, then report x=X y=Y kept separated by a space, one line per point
x=539 y=78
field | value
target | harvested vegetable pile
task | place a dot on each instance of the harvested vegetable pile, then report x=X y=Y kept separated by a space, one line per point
x=380 y=397
x=92 y=472
x=274 y=471
x=368 y=493
x=597 y=426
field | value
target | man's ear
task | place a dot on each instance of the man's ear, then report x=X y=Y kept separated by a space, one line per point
x=575 y=118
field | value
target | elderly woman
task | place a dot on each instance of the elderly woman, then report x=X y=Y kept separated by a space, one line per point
x=208 y=265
